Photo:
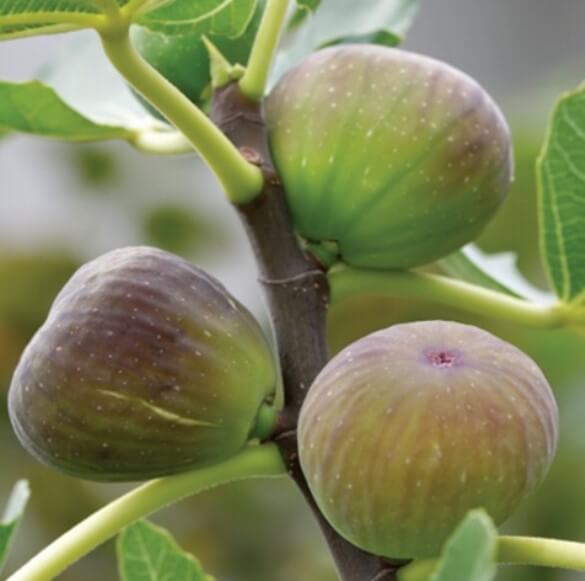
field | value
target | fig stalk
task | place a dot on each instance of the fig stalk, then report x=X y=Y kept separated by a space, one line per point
x=253 y=462
x=253 y=83
x=347 y=282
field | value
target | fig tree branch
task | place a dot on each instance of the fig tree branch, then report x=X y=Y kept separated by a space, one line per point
x=297 y=293
x=252 y=462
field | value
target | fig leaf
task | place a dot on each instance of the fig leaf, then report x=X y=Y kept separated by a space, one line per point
x=561 y=179
x=12 y=516
x=470 y=553
x=147 y=552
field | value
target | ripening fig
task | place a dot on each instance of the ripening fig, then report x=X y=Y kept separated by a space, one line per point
x=409 y=428
x=146 y=366
x=391 y=158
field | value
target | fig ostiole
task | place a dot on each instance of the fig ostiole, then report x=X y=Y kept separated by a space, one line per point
x=398 y=158
x=407 y=429
x=146 y=366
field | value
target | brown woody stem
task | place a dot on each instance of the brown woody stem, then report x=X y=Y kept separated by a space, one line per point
x=297 y=292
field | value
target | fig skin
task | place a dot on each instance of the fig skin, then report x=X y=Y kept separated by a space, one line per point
x=407 y=429
x=145 y=367
x=398 y=158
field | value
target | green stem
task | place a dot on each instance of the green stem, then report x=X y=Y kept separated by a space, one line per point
x=418 y=571
x=110 y=8
x=529 y=551
x=253 y=83
x=241 y=180
x=160 y=142
x=252 y=462
x=541 y=552
x=346 y=282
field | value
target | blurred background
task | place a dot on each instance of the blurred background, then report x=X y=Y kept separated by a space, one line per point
x=61 y=205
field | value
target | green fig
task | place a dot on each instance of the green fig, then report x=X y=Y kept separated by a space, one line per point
x=146 y=366
x=409 y=428
x=391 y=158
x=183 y=58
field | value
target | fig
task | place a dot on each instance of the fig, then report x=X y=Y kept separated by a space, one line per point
x=409 y=428
x=391 y=158
x=146 y=366
x=183 y=58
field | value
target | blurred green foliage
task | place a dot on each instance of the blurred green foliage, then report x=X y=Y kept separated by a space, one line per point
x=177 y=229
x=95 y=166
x=28 y=285
x=516 y=225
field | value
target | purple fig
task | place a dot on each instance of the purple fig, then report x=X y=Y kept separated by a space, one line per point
x=146 y=366
x=396 y=158
x=407 y=429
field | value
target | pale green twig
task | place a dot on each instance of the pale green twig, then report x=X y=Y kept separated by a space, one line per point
x=241 y=180
x=253 y=83
x=346 y=282
x=252 y=462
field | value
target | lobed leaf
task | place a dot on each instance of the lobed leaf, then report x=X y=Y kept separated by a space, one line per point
x=12 y=516
x=561 y=185
x=220 y=17
x=149 y=553
x=470 y=553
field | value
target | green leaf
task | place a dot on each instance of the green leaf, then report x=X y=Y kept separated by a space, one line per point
x=470 y=553
x=321 y=23
x=81 y=98
x=149 y=553
x=220 y=17
x=33 y=107
x=561 y=185
x=12 y=515
x=33 y=17
x=382 y=37
x=309 y=4
x=497 y=272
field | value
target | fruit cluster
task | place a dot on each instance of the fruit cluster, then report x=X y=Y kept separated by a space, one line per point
x=147 y=366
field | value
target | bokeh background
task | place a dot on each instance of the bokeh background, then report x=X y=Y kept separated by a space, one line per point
x=61 y=205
